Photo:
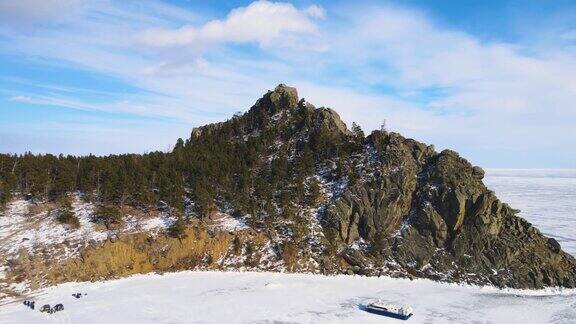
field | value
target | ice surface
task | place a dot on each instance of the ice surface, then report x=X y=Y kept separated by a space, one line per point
x=234 y=297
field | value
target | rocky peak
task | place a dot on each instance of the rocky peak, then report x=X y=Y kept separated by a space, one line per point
x=283 y=97
x=329 y=119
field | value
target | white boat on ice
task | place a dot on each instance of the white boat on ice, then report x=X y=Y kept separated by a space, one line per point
x=389 y=310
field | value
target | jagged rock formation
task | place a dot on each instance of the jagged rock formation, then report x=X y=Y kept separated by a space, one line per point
x=449 y=224
x=318 y=197
x=431 y=213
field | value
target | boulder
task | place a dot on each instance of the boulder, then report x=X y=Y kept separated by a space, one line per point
x=328 y=119
x=554 y=245
x=354 y=258
x=478 y=172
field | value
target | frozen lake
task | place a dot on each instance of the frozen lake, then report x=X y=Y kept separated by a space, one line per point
x=546 y=198
x=213 y=297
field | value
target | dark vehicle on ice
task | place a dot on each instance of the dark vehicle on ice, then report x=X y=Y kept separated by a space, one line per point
x=46 y=309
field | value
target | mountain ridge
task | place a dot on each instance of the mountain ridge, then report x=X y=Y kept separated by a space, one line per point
x=311 y=194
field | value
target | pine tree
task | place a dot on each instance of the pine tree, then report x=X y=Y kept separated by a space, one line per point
x=5 y=193
x=7 y=185
x=177 y=193
x=357 y=131
x=339 y=172
x=300 y=190
x=179 y=145
x=357 y=137
x=178 y=228
x=307 y=164
x=237 y=245
x=66 y=214
x=288 y=213
x=204 y=201
x=109 y=215
x=279 y=169
x=353 y=177
x=315 y=192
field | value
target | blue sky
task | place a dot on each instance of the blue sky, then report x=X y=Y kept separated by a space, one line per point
x=493 y=80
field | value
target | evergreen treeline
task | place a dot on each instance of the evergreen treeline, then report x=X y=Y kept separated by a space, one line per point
x=258 y=165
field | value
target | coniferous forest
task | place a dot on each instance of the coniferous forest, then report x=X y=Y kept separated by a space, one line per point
x=225 y=162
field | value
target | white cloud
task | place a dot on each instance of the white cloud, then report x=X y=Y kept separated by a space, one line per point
x=25 y=99
x=427 y=56
x=22 y=12
x=443 y=86
x=316 y=11
x=493 y=93
x=261 y=22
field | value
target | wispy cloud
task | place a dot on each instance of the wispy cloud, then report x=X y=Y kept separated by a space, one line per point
x=53 y=101
x=370 y=62
x=25 y=12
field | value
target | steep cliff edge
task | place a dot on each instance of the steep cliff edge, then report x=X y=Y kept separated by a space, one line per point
x=432 y=215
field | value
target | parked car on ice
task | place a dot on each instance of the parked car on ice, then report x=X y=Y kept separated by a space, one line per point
x=46 y=309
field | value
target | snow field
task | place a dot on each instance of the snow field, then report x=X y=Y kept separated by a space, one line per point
x=249 y=297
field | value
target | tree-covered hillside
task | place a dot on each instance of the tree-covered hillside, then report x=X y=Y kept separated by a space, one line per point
x=258 y=162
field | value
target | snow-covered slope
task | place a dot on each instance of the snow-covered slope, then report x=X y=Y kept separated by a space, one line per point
x=21 y=228
x=31 y=232
x=213 y=297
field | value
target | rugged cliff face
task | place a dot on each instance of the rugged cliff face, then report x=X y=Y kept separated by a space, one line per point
x=436 y=219
x=430 y=214
x=312 y=195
